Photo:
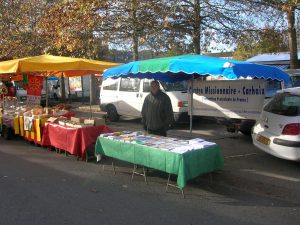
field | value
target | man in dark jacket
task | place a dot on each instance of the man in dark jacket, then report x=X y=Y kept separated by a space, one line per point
x=157 y=112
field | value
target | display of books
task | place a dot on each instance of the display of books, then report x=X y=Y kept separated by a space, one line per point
x=157 y=142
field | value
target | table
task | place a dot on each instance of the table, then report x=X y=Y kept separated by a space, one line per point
x=72 y=140
x=186 y=166
x=36 y=133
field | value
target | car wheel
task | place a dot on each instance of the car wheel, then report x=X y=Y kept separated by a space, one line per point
x=112 y=113
x=246 y=127
x=247 y=133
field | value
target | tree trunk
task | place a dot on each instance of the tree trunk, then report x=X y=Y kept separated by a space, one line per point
x=135 y=38
x=294 y=63
x=135 y=47
x=197 y=27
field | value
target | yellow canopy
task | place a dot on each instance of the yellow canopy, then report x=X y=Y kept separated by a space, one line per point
x=54 y=65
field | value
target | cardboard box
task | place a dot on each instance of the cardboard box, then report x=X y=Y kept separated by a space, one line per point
x=89 y=122
x=76 y=119
x=95 y=121
x=52 y=119
x=99 y=121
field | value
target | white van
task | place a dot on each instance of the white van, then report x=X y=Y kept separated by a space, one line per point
x=125 y=97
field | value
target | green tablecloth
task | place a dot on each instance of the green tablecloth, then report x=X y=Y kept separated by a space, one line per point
x=186 y=166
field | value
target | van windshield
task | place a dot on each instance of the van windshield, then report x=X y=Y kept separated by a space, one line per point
x=284 y=104
x=176 y=86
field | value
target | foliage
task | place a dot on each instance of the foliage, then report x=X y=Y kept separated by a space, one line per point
x=91 y=28
x=131 y=22
x=18 y=32
x=284 y=8
x=206 y=21
x=267 y=40
x=68 y=27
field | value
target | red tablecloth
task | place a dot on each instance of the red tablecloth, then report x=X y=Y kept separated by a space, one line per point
x=73 y=140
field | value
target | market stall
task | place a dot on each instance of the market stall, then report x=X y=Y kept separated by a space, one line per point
x=72 y=137
x=32 y=122
x=185 y=158
x=189 y=67
x=49 y=65
x=30 y=125
x=28 y=121
x=184 y=162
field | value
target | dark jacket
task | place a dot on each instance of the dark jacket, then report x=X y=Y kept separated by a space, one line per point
x=157 y=112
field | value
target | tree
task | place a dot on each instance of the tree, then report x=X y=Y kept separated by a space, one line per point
x=19 y=36
x=205 y=21
x=258 y=42
x=285 y=8
x=131 y=22
x=69 y=28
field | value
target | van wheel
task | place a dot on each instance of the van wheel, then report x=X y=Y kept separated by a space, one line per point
x=112 y=113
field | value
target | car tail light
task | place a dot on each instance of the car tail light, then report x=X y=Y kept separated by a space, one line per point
x=291 y=129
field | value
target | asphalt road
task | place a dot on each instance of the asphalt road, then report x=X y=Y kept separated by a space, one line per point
x=38 y=186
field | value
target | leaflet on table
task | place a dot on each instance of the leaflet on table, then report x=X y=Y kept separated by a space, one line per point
x=162 y=143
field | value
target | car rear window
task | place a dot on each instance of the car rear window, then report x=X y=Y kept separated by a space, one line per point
x=284 y=104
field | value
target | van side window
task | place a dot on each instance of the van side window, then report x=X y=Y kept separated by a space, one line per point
x=146 y=86
x=111 y=85
x=130 y=84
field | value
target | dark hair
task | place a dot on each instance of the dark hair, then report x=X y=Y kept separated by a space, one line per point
x=155 y=82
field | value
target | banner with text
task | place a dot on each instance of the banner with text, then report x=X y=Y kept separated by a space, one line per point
x=34 y=89
x=241 y=99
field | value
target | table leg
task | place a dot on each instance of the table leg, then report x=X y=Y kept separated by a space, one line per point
x=86 y=156
x=175 y=186
x=113 y=166
x=135 y=166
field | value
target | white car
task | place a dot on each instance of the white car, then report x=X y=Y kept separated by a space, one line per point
x=277 y=131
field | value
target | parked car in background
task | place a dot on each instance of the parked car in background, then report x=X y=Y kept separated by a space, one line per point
x=277 y=131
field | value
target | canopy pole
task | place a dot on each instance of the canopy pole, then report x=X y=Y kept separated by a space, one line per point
x=69 y=95
x=63 y=88
x=46 y=78
x=191 y=105
x=82 y=90
x=91 y=113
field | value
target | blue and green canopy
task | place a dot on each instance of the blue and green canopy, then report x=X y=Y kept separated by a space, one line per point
x=178 y=68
